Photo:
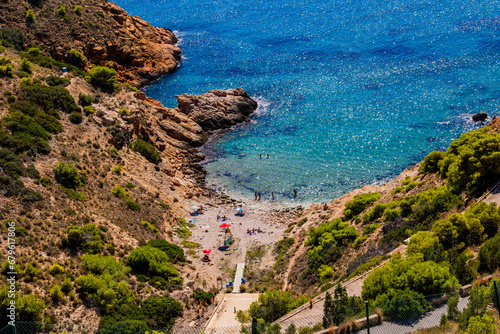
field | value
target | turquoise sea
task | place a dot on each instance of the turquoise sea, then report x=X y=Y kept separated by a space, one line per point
x=350 y=92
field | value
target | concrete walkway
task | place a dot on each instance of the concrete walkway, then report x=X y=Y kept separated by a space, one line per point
x=237 y=279
x=224 y=320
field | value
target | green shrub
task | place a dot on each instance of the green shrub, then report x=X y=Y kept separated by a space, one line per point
x=130 y=185
x=13 y=37
x=77 y=10
x=411 y=185
x=87 y=238
x=28 y=308
x=66 y=285
x=25 y=66
x=85 y=100
x=162 y=310
x=403 y=305
x=375 y=213
x=302 y=221
x=7 y=71
x=201 y=295
x=68 y=176
x=113 y=151
x=47 y=98
x=48 y=122
x=150 y=226
x=371 y=228
x=102 y=77
x=76 y=117
x=190 y=244
x=89 y=110
x=151 y=261
x=481 y=325
x=359 y=241
x=489 y=255
x=53 y=80
x=46 y=182
x=30 y=17
x=118 y=191
x=371 y=263
x=147 y=150
x=273 y=304
x=124 y=112
x=26 y=81
x=56 y=269
x=471 y=161
x=61 y=10
x=118 y=169
x=76 y=58
x=359 y=204
x=183 y=232
x=132 y=88
x=425 y=277
x=431 y=162
x=325 y=273
x=132 y=205
x=29 y=195
x=104 y=265
x=174 y=252
x=56 y=294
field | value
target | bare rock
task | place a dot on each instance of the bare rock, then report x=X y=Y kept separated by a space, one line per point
x=217 y=109
x=480 y=117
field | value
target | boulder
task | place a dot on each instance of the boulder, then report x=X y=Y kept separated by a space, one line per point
x=480 y=117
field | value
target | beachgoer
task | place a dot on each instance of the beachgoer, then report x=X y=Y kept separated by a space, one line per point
x=260 y=194
x=295 y=192
x=253 y=231
x=261 y=156
x=218 y=217
x=255 y=195
x=248 y=231
x=224 y=218
x=272 y=195
x=268 y=155
x=259 y=230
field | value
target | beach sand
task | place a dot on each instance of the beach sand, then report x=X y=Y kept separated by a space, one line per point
x=270 y=217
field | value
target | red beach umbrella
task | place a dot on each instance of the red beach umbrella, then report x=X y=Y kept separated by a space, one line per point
x=207 y=251
x=225 y=225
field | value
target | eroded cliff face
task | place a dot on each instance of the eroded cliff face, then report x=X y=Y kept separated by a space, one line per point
x=102 y=31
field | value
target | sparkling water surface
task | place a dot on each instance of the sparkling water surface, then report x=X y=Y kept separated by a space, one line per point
x=350 y=92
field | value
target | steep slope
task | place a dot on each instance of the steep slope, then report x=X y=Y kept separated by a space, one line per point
x=99 y=29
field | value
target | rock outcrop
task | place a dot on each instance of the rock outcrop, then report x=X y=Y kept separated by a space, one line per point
x=102 y=31
x=480 y=117
x=217 y=109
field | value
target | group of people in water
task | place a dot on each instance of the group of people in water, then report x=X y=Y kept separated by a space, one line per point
x=258 y=195
x=253 y=231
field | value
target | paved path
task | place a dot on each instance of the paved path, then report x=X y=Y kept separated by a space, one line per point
x=224 y=320
x=239 y=275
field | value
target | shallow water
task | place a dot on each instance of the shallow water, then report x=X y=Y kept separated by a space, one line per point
x=350 y=92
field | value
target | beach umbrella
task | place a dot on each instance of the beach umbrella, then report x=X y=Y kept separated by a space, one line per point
x=224 y=225
x=207 y=251
x=238 y=209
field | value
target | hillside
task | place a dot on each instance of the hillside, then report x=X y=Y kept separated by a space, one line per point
x=103 y=32
x=95 y=176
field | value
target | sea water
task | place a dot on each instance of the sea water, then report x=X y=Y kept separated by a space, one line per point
x=350 y=92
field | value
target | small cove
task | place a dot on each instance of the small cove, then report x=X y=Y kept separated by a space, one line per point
x=350 y=93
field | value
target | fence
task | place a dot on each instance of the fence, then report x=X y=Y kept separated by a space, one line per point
x=390 y=317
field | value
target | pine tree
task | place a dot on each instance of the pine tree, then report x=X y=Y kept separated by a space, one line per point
x=327 y=311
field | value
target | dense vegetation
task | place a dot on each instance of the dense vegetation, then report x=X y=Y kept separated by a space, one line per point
x=328 y=240
x=274 y=304
x=471 y=162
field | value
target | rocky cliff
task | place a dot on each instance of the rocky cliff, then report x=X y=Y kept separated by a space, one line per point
x=101 y=30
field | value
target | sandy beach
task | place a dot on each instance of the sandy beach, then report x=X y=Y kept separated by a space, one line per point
x=270 y=217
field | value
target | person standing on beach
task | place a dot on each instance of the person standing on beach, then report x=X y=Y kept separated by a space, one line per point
x=255 y=195
x=259 y=195
x=294 y=192
x=272 y=195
